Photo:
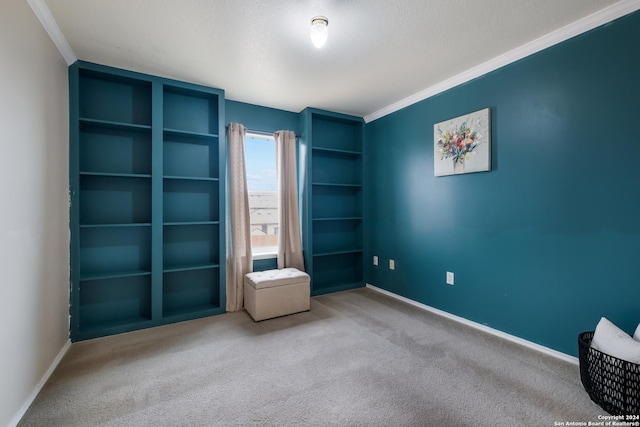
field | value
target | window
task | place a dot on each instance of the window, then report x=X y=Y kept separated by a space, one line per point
x=262 y=183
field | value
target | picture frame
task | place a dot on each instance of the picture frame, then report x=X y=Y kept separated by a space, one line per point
x=462 y=144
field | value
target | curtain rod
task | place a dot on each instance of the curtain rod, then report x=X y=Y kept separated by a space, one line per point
x=259 y=132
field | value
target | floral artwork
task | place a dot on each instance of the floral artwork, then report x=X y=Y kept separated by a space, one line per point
x=462 y=145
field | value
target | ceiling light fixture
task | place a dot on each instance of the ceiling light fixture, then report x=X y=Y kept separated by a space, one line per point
x=319 y=30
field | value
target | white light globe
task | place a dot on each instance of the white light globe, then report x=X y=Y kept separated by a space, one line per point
x=318 y=31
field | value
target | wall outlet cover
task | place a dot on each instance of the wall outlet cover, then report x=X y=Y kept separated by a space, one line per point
x=449 y=278
x=375 y=260
x=392 y=264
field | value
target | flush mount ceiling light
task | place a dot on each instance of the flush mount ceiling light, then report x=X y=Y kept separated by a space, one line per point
x=319 y=30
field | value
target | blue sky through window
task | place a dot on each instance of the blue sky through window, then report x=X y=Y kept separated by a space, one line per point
x=260 y=161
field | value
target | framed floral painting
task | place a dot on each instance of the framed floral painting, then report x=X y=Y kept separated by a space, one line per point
x=463 y=144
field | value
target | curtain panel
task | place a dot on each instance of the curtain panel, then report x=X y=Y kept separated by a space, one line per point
x=289 y=240
x=239 y=258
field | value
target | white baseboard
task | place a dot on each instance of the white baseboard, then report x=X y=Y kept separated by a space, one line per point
x=537 y=347
x=40 y=384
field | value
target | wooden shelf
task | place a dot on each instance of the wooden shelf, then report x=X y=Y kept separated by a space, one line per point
x=189 y=134
x=347 y=218
x=96 y=329
x=170 y=224
x=323 y=150
x=193 y=312
x=134 y=224
x=116 y=175
x=171 y=269
x=332 y=184
x=114 y=275
x=108 y=124
x=191 y=178
x=333 y=253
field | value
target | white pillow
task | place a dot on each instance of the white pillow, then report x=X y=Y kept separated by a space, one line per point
x=636 y=336
x=610 y=339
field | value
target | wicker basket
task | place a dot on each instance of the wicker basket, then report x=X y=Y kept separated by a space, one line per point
x=612 y=383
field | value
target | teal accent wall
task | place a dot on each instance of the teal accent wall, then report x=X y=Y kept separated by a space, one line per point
x=549 y=240
x=260 y=118
x=265 y=264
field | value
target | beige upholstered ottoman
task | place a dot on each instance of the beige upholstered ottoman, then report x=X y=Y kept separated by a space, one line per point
x=274 y=293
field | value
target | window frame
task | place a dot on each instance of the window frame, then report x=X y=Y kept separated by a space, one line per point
x=272 y=250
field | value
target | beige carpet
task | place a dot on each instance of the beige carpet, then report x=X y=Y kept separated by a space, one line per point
x=357 y=358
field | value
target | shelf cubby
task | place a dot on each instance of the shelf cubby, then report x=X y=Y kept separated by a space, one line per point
x=115 y=302
x=337 y=236
x=329 y=167
x=114 y=98
x=190 y=200
x=336 y=272
x=114 y=199
x=190 y=157
x=336 y=201
x=114 y=149
x=114 y=252
x=189 y=291
x=331 y=131
x=190 y=111
x=190 y=246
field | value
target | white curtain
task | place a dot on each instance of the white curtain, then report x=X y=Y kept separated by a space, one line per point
x=239 y=258
x=289 y=241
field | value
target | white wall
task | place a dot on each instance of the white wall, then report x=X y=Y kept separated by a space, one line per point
x=34 y=214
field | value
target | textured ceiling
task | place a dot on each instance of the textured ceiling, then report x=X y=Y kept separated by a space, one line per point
x=378 y=51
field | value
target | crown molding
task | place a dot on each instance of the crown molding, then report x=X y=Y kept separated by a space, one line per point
x=46 y=19
x=578 y=27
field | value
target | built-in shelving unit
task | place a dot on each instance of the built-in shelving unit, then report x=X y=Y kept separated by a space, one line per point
x=333 y=218
x=145 y=161
x=191 y=200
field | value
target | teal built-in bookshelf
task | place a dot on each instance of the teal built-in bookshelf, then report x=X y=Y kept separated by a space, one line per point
x=147 y=200
x=332 y=149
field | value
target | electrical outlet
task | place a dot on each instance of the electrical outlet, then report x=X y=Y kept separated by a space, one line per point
x=392 y=264
x=449 y=278
x=375 y=260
